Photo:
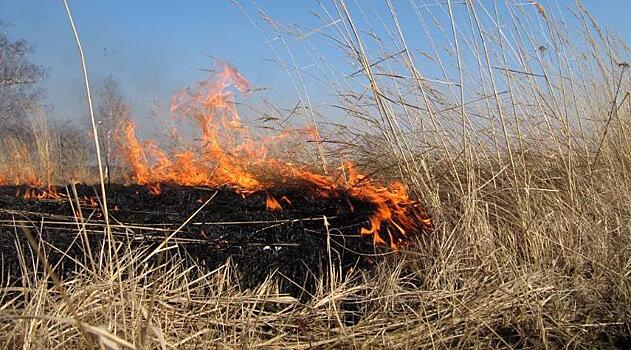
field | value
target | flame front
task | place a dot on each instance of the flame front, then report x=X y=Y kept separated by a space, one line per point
x=225 y=154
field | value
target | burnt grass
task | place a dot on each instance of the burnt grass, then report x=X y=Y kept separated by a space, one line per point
x=290 y=243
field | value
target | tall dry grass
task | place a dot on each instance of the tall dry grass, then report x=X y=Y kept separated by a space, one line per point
x=46 y=153
x=515 y=139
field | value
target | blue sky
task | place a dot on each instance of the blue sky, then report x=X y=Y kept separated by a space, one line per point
x=156 y=47
x=151 y=47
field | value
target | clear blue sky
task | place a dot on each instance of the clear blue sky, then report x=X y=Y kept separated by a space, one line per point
x=155 y=47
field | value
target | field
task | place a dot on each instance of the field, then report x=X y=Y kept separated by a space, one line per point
x=487 y=208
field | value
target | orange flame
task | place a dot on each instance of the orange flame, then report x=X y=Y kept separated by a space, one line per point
x=225 y=154
x=40 y=193
x=272 y=204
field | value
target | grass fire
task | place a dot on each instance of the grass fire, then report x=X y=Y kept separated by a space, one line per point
x=371 y=175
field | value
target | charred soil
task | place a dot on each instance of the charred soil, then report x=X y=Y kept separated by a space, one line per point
x=298 y=243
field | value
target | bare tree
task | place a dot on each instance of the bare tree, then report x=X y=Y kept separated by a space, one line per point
x=19 y=88
x=112 y=108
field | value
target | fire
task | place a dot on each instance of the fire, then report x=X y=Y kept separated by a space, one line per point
x=227 y=155
x=224 y=153
x=40 y=193
x=51 y=193
x=272 y=204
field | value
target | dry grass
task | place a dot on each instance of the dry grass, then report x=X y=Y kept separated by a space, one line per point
x=47 y=153
x=519 y=149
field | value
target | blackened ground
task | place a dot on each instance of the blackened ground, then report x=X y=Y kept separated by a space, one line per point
x=292 y=242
